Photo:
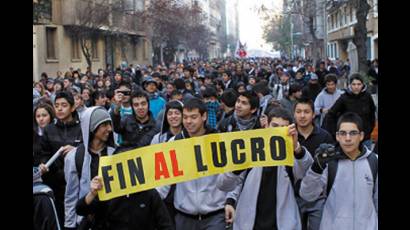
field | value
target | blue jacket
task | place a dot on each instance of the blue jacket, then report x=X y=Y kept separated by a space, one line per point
x=156 y=103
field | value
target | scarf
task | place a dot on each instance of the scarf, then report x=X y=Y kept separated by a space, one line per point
x=245 y=124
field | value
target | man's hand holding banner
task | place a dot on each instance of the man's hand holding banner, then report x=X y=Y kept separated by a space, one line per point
x=188 y=159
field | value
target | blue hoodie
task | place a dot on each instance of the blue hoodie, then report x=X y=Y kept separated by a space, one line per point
x=156 y=104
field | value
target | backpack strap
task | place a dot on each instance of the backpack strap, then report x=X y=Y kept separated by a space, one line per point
x=331 y=174
x=79 y=160
x=374 y=167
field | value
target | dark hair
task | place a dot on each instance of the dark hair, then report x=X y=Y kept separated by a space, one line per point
x=45 y=106
x=305 y=100
x=356 y=76
x=331 y=77
x=139 y=93
x=195 y=103
x=176 y=92
x=97 y=94
x=67 y=95
x=209 y=92
x=252 y=97
x=229 y=97
x=280 y=113
x=124 y=83
x=220 y=83
x=261 y=87
x=179 y=83
x=295 y=87
x=350 y=117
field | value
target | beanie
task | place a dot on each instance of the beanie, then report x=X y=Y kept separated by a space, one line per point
x=98 y=116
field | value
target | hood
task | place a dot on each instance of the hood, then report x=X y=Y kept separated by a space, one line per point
x=85 y=127
x=170 y=105
x=349 y=90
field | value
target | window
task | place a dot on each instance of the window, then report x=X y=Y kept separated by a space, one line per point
x=94 y=48
x=51 y=42
x=75 y=49
x=351 y=13
x=344 y=22
x=328 y=23
x=369 y=48
x=145 y=50
x=340 y=19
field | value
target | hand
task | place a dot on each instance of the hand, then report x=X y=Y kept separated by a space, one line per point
x=293 y=132
x=325 y=111
x=229 y=213
x=324 y=154
x=43 y=168
x=95 y=185
x=264 y=121
x=118 y=97
x=66 y=149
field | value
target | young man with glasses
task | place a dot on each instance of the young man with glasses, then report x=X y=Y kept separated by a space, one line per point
x=349 y=179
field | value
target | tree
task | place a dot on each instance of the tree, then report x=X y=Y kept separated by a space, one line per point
x=360 y=32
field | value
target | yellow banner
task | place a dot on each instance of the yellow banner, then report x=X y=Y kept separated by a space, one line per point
x=188 y=159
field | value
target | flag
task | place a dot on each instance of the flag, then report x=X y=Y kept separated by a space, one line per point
x=240 y=51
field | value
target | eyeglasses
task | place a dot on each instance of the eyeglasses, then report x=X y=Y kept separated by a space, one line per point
x=345 y=133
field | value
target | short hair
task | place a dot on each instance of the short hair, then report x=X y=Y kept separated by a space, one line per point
x=331 y=77
x=179 y=83
x=209 y=92
x=97 y=94
x=261 y=87
x=195 y=103
x=350 y=117
x=124 y=83
x=252 y=97
x=175 y=93
x=280 y=112
x=139 y=93
x=66 y=95
x=295 y=87
x=229 y=97
x=305 y=100
x=356 y=76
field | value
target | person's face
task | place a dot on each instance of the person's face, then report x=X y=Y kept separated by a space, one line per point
x=78 y=101
x=103 y=131
x=50 y=86
x=140 y=106
x=170 y=88
x=278 y=122
x=225 y=77
x=303 y=115
x=243 y=107
x=107 y=83
x=193 y=121
x=241 y=89
x=38 y=87
x=100 y=84
x=117 y=77
x=298 y=94
x=125 y=98
x=313 y=81
x=284 y=78
x=208 y=81
x=57 y=87
x=42 y=117
x=186 y=74
x=298 y=75
x=85 y=95
x=177 y=97
x=101 y=101
x=357 y=86
x=252 y=81
x=188 y=86
x=66 y=83
x=331 y=86
x=151 y=88
x=63 y=109
x=349 y=137
x=174 y=118
x=322 y=66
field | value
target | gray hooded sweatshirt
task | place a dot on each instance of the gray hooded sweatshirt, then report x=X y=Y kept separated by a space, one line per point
x=287 y=211
x=352 y=201
x=76 y=189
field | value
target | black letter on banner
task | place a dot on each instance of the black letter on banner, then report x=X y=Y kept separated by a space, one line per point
x=282 y=148
x=136 y=171
x=257 y=146
x=235 y=158
x=106 y=178
x=222 y=150
x=121 y=175
x=198 y=158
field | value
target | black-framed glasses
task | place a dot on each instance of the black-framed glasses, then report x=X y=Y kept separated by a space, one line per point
x=352 y=133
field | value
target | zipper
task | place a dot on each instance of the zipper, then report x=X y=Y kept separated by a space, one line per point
x=354 y=197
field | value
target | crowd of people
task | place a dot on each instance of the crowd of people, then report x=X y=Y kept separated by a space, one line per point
x=332 y=185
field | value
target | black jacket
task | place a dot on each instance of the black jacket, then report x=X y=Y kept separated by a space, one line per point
x=141 y=210
x=57 y=134
x=229 y=125
x=311 y=91
x=44 y=217
x=321 y=75
x=133 y=133
x=362 y=104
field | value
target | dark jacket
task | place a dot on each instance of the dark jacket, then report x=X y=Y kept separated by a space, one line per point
x=362 y=104
x=311 y=91
x=56 y=135
x=141 y=210
x=321 y=75
x=134 y=133
x=44 y=215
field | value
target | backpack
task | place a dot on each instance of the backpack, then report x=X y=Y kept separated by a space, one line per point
x=332 y=170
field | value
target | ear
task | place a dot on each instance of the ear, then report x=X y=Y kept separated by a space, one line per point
x=205 y=116
x=254 y=110
x=361 y=136
x=72 y=109
x=337 y=138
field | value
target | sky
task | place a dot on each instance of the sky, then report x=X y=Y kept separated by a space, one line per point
x=250 y=25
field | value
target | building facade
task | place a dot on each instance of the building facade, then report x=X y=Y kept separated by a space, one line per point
x=56 y=49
